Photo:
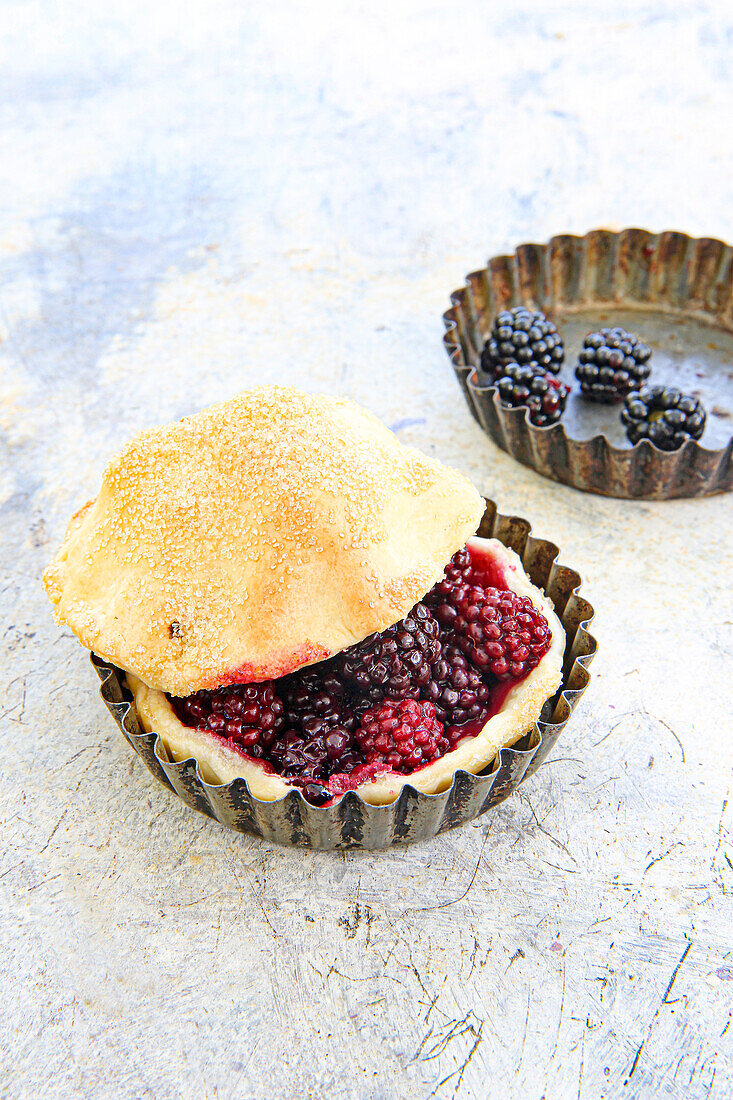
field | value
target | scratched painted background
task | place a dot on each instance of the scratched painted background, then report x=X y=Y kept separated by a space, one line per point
x=195 y=198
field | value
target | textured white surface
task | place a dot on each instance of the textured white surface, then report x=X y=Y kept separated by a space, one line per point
x=197 y=198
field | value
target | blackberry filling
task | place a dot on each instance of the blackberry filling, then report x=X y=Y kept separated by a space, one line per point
x=397 y=701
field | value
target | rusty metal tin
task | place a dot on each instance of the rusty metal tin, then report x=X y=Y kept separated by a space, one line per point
x=675 y=291
x=351 y=822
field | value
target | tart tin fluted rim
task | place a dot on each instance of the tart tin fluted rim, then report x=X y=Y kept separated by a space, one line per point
x=350 y=822
x=633 y=269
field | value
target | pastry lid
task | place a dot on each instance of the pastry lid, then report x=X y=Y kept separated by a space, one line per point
x=262 y=534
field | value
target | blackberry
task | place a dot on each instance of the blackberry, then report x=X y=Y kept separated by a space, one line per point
x=456 y=690
x=405 y=735
x=316 y=793
x=310 y=758
x=457 y=571
x=663 y=415
x=314 y=700
x=612 y=364
x=459 y=567
x=294 y=757
x=524 y=386
x=395 y=663
x=525 y=336
x=500 y=632
x=448 y=596
x=250 y=715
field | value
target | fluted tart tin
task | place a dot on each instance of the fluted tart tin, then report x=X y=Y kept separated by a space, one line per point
x=675 y=292
x=350 y=822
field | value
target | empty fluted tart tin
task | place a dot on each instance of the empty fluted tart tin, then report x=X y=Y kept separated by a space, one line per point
x=675 y=292
x=350 y=822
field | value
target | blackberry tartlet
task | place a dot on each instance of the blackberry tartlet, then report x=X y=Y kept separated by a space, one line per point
x=297 y=600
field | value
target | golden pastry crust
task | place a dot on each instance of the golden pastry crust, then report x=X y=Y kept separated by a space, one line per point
x=218 y=763
x=258 y=536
